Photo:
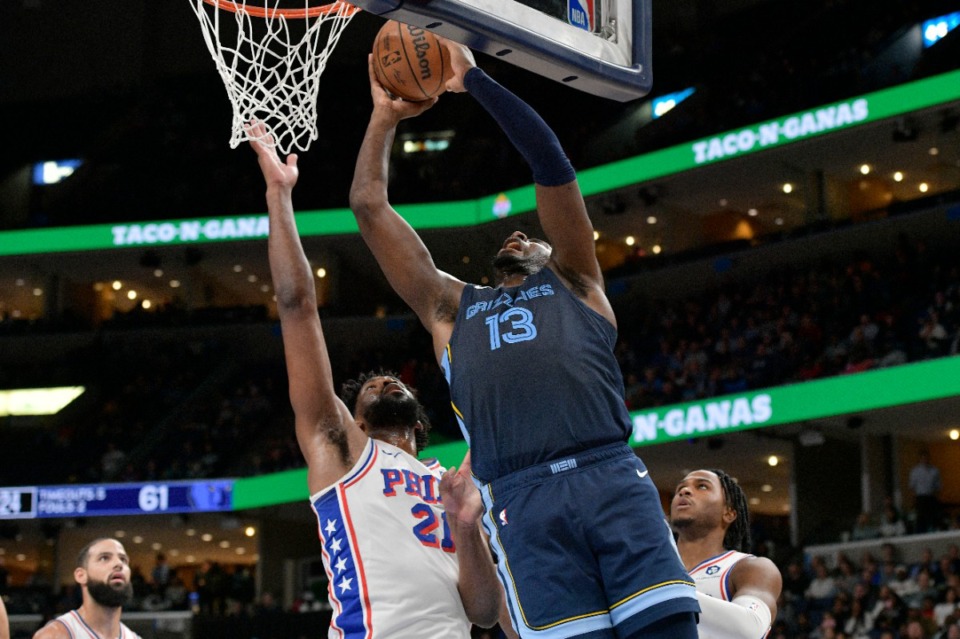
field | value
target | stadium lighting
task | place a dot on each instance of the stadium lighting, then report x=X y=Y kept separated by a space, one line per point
x=664 y=103
x=53 y=171
x=935 y=29
x=37 y=401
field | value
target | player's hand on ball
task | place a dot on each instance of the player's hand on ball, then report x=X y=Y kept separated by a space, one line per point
x=398 y=108
x=460 y=61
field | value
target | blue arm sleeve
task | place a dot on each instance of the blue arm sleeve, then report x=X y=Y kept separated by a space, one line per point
x=536 y=141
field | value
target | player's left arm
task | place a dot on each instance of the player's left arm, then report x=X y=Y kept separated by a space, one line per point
x=759 y=578
x=755 y=585
x=480 y=591
x=560 y=205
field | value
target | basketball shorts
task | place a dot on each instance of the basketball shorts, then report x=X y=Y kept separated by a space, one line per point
x=583 y=547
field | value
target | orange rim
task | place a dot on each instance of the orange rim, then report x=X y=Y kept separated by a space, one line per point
x=263 y=12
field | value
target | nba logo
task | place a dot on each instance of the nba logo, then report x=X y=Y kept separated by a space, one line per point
x=580 y=14
x=712 y=570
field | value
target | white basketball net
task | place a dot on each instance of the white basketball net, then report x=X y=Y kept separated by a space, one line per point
x=270 y=64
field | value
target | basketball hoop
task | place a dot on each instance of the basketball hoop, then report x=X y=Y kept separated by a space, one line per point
x=270 y=59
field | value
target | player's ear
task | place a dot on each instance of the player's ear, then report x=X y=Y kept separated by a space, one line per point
x=729 y=515
x=80 y=575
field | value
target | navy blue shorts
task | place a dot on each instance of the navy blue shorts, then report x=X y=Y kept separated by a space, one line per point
x=584 y=549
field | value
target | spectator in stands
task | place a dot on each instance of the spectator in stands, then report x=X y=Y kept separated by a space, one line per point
x=926 y=563
x=891 y=523
x=177 y=594
x=795 y=584
x=859 y=623
x=915 y=630
x=889 y=612
x=822 y=589
x=951 y=630
x=864 y=528
x=266 y=616
x=924 y=483
x=890 y=341
x=933 y=335
x=140 y=587
x=950 y=606
x=112 y=460
x=846 y=575
x=160 y=574
x=923 y=588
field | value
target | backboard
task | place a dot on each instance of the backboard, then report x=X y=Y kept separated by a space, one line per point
x=598 y=46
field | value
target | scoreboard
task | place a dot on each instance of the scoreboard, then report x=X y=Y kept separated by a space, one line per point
x=151 y=498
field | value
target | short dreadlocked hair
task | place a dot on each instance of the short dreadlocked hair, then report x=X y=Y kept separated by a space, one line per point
x=350 y=390
x=738 y=534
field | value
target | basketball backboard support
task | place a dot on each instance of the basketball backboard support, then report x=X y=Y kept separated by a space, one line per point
x=601 y=47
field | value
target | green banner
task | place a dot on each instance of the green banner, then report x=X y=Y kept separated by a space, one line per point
x=270 y=490
x=793 y=403
x=896 y=386
x=856 y=111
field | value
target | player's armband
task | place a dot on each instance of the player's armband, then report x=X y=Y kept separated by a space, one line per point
x=745 y=617
x=532 y=137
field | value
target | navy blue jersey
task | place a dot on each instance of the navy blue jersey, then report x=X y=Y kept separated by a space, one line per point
x=532 y=375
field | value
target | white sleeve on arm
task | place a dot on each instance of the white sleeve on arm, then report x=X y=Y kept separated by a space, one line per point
x=745 y=617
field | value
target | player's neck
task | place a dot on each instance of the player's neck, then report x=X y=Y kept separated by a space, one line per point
x=696 y=550
x=402 y=439
x=101 y=619
x=513 y=279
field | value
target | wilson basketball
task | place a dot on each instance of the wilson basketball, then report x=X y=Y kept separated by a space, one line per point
x=409 y=61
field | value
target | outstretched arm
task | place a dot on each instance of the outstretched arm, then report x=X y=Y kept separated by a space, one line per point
x=560 y=206
x=480 y=591
x=401 y=254
x=328 y=436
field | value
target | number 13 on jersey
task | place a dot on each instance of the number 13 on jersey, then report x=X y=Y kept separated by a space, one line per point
x=511 y=326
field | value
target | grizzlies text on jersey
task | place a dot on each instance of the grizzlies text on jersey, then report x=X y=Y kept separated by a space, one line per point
x=507 y=382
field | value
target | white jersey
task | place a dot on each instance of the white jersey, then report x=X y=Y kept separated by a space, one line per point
x=388 y=552
x=713 y=575
x=79 y=629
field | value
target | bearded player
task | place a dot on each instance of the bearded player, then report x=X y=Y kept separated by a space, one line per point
x=402 y=562
x=737 y=591
x=103 y=572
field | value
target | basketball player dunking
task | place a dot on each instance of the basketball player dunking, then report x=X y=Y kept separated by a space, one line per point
x=738 y=592
x=103 y=572
x=576 y=522
x=402 y=548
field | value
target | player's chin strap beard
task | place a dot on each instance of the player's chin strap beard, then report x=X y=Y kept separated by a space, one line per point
x=507 y=265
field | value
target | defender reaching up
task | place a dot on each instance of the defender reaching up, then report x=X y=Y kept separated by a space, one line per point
x=399 y=565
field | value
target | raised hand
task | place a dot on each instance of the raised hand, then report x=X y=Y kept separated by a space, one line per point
x=399 y=109
x=276 y=173
x=461 y=61
x=460 y=496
